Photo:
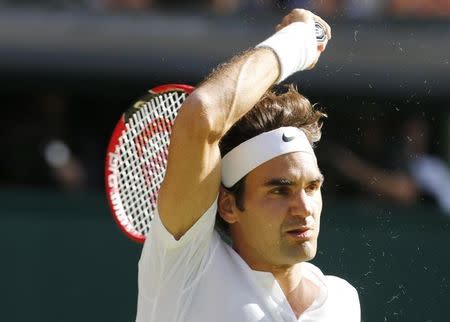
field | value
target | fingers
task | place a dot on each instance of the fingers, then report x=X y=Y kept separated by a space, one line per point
x=288 y=19
x=302 y=15
x=293 y=16
x=296 y=15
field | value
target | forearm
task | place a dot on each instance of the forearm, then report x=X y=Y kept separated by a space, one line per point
x=235 y=87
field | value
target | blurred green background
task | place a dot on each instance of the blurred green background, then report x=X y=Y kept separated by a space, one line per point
x=65 y=260
x=68 y=69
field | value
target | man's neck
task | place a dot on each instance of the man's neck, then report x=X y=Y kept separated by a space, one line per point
x=300 y=292
x=288 y=278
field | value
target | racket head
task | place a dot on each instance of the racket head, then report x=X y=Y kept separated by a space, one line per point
x=136 y=157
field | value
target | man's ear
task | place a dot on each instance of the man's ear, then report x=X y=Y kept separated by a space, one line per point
x=227 y=206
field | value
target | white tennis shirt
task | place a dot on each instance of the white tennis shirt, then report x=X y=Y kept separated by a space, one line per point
x=199 y=278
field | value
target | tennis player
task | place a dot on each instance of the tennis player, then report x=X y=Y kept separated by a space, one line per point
x=242 y=153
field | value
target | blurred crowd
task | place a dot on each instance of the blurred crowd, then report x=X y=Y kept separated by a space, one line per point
x=393 y=158
x=326 y=8
x=392 y=161
x=45 y=145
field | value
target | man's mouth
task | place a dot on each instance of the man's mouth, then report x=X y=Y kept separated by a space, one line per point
x=303 y=233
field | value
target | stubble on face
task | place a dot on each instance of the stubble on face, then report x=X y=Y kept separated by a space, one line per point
x=274 y=229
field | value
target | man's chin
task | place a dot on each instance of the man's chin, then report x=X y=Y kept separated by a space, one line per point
x=303 y=254
x=308 y=251
x=307 y=257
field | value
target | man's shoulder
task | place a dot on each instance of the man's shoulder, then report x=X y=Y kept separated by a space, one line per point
x=339 y=284
x=340 y=300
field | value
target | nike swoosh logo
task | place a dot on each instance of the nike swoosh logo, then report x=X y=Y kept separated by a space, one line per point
x=287 y=138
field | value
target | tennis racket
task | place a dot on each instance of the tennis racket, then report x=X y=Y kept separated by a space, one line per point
x=136 y=158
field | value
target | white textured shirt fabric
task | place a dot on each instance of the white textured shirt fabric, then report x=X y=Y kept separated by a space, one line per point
x=199 y=278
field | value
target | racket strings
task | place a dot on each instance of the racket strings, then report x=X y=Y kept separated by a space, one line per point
x=143 y=148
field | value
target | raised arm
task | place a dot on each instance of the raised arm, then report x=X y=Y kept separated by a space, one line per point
x=193 y=173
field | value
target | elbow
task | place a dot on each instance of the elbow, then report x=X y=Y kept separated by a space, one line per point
x=199 y=117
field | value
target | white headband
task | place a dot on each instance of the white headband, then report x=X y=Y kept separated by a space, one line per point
x=261 y=148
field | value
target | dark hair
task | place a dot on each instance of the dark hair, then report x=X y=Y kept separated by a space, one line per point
x=273 y=110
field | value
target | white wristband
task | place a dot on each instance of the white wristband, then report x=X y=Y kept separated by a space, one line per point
x=295 y=46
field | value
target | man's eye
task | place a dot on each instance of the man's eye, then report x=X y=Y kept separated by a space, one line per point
x=280 y=191
x=312 y=187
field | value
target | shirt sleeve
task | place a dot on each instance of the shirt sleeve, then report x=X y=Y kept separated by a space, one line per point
x=166 y=261
x=200 y=231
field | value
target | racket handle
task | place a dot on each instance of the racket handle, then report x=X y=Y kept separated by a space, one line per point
x=321 y=34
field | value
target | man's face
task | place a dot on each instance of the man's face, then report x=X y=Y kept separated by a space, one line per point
x=282 y=204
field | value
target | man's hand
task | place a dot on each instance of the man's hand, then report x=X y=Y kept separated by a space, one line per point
x=302 y=15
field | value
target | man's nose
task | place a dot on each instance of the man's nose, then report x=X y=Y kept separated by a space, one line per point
x=302 y=204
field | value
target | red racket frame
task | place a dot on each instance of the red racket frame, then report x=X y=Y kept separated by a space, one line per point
x=109 y=173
